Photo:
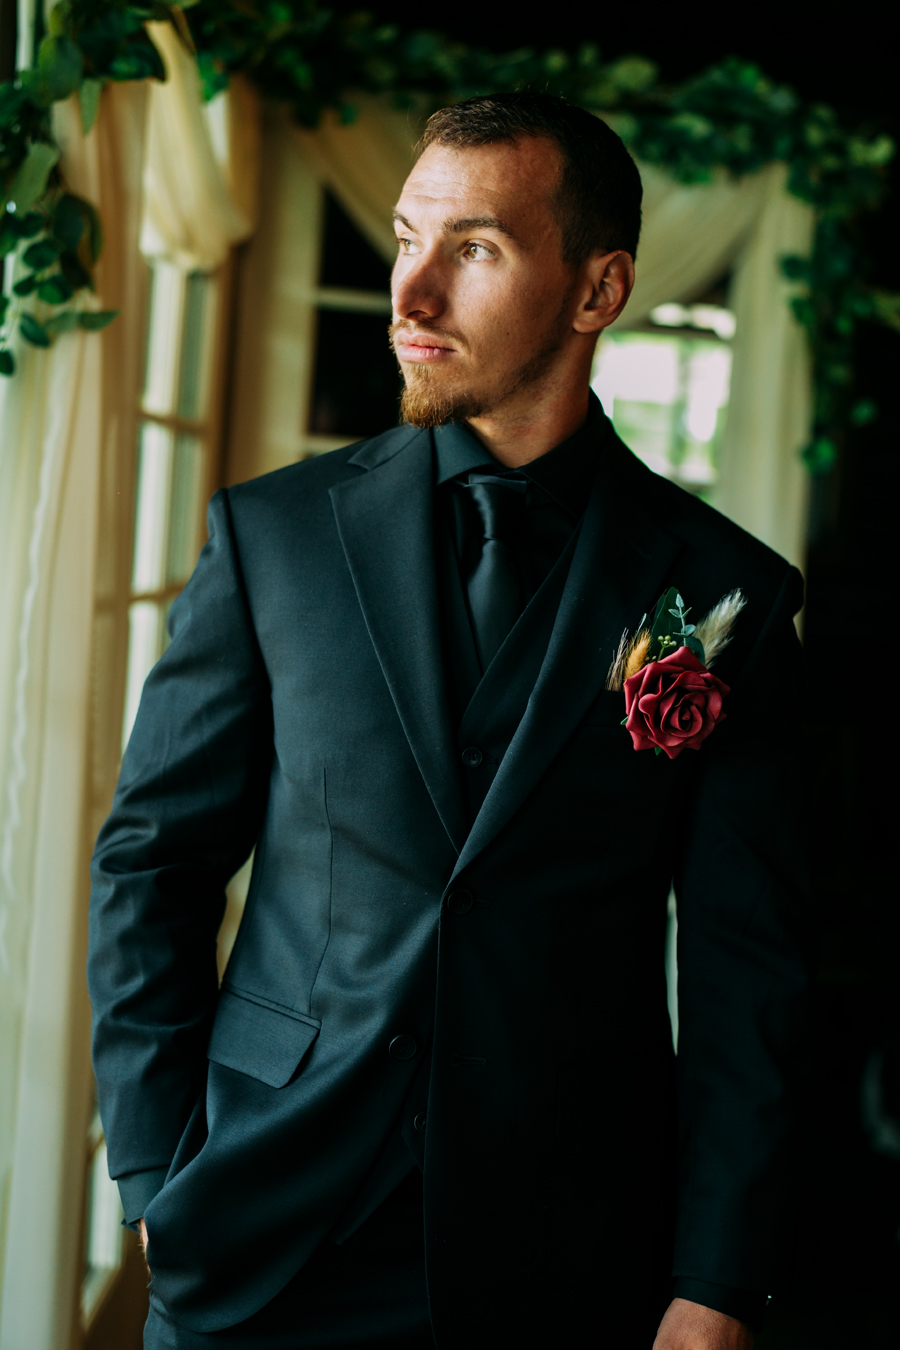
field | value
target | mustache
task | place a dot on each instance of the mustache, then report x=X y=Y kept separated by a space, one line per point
x=431 y=329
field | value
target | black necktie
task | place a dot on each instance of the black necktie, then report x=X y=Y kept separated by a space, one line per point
x=494 y=587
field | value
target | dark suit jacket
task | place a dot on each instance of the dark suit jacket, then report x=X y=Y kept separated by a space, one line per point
x=302 y=708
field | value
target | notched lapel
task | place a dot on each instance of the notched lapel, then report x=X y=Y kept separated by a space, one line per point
x=385 y=522
x=622 y=560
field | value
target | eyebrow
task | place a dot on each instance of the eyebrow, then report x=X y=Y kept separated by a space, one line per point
x=465 y=223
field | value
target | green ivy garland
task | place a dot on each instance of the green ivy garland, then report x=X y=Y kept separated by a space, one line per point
x=729 y=117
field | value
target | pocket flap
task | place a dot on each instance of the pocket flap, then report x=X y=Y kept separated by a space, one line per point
x=264 y=1042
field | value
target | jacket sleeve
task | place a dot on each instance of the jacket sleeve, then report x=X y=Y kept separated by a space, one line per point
x=744 y=936
x=185 y=816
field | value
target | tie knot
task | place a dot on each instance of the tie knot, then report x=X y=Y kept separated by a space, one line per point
x=500 y=503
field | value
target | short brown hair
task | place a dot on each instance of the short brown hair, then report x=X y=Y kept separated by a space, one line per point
x=598 y=202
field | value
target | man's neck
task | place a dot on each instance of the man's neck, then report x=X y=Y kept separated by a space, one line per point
x=520 y=434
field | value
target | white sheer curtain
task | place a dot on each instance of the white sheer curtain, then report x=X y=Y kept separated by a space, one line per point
x=56 y=417
x=179 y=178
x=692 y=235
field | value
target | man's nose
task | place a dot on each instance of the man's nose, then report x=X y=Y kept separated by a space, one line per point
x=416 y=289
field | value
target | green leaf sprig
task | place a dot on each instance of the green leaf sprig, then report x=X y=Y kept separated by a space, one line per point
x=670 y=630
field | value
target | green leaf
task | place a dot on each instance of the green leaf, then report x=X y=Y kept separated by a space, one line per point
x=820 y=454
x=4 y=305
x=42 y=254
x=27 y=226
x=76 y=275
x=863 y=412
x=55 y=290
x=694 y=645
x=63 y=322
x=69 y=222
x=59 y=67
x=33 y=332
x=95 y=319
x=662 y=627
x=26 y=285
x=89 y=102
x=31 y=177
x=7 y=362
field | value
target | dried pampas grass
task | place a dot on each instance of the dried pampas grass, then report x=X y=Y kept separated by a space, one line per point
x=630 y=656
x=714 y=632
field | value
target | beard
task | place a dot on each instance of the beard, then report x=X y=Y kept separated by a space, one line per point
x=428 y=400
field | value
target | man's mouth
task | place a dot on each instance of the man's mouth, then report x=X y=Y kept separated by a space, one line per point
x=422 y=347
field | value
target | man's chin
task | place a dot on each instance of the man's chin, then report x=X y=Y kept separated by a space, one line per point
x=424 y=404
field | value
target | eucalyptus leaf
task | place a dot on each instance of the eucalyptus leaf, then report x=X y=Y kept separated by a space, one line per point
x=69 y=223
x=95 y=319
x=696 y=646
x=31 y=177
x=7 y=362
x=27 y=226
x=4 y=305
x=25 y=285
x=59 y=67
x=54 y=290
x=63 y=322
x=42 y=254
x=75 y=274
x=89 y=102
x=33 y=332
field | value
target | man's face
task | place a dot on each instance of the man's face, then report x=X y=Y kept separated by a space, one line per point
x=481 y=294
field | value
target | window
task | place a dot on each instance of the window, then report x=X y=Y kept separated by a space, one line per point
x=177 y=458
x=103 y=1246
x=356 y=384
x=666 y=385
x=177 y=469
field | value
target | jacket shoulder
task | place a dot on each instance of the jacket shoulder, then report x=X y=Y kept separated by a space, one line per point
x=311 y=477
x=705 y=530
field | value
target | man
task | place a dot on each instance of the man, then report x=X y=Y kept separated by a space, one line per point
x=388 y=674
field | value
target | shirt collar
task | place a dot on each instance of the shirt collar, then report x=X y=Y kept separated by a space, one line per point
x=565 y=473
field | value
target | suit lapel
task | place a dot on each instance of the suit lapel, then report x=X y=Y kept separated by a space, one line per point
x=385 y=522
x=621 y=562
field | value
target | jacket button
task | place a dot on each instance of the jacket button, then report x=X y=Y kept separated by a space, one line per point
x=419 y=1122
x=460 y=902
x=472 y=756
x=402 y=1047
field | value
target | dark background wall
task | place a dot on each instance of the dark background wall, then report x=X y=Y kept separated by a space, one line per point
x=847 y=1291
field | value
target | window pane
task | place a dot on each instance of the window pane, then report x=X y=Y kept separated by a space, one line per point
x=348 y=259
x=357 y=386
x=151 y=516
x=164 y=338
x=184 y=511
x=200 y=312
x=103 y=1240
x=146 y=641
x=668 y=398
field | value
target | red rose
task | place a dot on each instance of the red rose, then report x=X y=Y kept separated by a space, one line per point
x=673 y=704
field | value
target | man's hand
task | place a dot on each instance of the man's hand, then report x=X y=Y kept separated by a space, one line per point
x=690 y=1326
x=143 y=1236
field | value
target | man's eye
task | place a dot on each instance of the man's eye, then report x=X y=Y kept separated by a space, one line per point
x=479 y=252
x=405 y=245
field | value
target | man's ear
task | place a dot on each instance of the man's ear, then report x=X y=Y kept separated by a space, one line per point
x=607 y=282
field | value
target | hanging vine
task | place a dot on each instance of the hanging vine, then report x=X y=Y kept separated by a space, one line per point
x=732 y=118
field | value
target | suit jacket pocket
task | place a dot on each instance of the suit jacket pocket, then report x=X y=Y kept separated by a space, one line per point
x=260 y=1039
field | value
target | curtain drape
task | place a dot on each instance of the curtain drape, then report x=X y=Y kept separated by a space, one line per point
x=692 y=235
x=173 y=180
x=57 y=419
x=201 y=164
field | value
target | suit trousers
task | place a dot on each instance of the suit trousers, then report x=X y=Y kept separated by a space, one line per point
x=367 y=1292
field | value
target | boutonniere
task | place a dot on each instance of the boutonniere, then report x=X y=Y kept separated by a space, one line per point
x=672 y=702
